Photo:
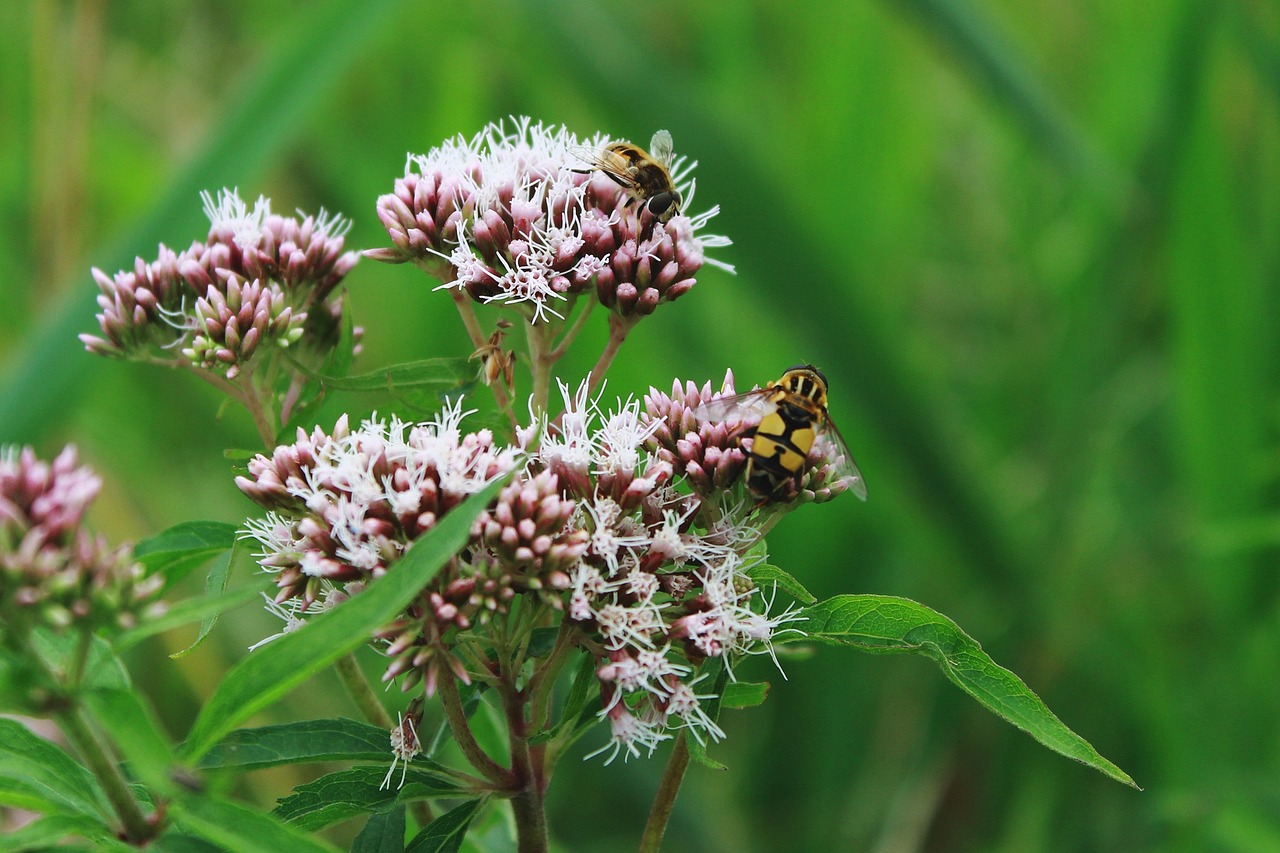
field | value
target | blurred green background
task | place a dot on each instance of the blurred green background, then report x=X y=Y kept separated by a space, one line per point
x=1034 y=246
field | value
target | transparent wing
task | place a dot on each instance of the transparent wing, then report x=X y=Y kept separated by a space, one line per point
x=661 y=148
x=603 y=160
x=752 y=405
x=838 y=455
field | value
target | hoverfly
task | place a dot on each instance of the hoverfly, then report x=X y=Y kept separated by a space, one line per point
x=792 y=414
x=646 y=177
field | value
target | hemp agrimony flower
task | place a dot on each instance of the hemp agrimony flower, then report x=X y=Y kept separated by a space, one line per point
x=53 y=572
x=516 y=216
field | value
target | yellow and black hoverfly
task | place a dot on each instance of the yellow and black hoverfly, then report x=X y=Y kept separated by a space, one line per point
x=646 y=177
x=792 y=414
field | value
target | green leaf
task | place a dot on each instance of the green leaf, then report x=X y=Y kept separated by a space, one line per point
x=429 y=373
x=189 y=611
x=189 y=539
x=766 y=574
x=214 y=584
x=133 y=728
x=889 y=625
x=280 y=666
x=177 y=841
x=48 y=831
x=346 y=793
x=382 y=833
x=236 y=827
x=293 y=743
x=542 y=641
x=744 y=694
x=37 y=775
x=584 y=679
x=718 y=674
x=102 y=668
x=445 y=833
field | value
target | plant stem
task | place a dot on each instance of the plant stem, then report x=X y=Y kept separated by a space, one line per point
x=137 y=828
x=570 y=335
x=457 y=718
x=361 y=692
x=529 y=803
x=471 y=323
x=540 y=363
x=665 y=799
x=618 y=330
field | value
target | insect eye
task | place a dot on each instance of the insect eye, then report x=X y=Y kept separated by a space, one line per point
x=661 y=203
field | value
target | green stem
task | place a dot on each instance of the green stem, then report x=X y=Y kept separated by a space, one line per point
x=457 y=719
x=544 y=678
x=467 y=312
x=529 y=803
x=618 y=330
x=665 y=799
x=570 y=335
x=137 y=829
x=362 y=693
x=540 y=364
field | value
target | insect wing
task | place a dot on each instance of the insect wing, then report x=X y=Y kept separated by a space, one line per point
x=661 y=148
x=752 y=405
x=838 y=454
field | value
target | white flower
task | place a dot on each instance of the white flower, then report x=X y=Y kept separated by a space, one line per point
x=404 y=747
x=630 y=733
x=620 y=438
x=229 y=211
x=686 y=705
x=288 y=612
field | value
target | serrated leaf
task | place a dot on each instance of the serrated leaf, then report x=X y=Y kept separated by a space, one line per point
x=293 y=743
x=744 y=694
x=236 y=827
x=346 y=793
x=890 y=625
x=382 y=833
x=277 y=668
x=765 y=574
x=136 y=733
x=35 y=774
x=189 y=611
x=445 y=833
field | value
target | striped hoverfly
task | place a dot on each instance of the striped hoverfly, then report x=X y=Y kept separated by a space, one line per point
x=792 y=418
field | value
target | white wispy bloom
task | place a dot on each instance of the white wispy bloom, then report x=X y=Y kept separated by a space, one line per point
x=687 y=705
x=405 y=746
x=230 y=211
x=630 y=734
x=621 y=436
x=288 y=611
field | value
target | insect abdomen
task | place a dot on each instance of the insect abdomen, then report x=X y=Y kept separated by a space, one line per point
x=779 y=450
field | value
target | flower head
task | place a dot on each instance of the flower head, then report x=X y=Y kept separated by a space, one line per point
x=52 y=571
x=258 y=281
x=515 y=215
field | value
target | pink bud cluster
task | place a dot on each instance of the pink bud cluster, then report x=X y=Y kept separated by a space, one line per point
x=708 y=454
x=515 y=216
x=52 y=571
x=259 y=278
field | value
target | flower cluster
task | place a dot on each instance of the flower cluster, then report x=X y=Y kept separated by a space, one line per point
x=52 y=571
x=518 y=217
x=595 y=525
x=259 y=280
